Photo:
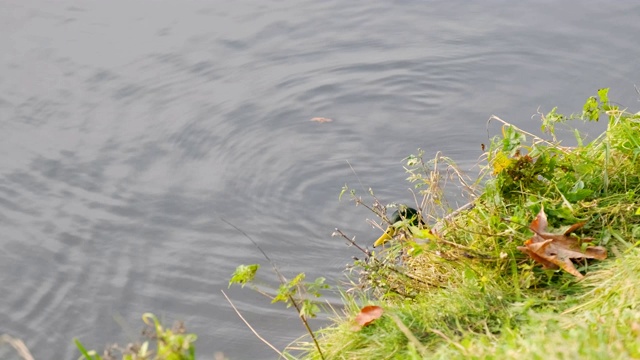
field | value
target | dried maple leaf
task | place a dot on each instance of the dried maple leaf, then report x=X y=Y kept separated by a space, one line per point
x=555 y=251
x=366 y=316
x=321 y=119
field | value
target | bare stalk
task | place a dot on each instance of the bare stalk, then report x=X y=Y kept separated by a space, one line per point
x=18 y=345
x=283 y=281
x=412 y=338
x=377 y=262
x=537 y=139
x=377 y=207
x=250 y=327
x=353 y=243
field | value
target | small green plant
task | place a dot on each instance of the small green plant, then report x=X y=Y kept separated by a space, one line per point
x=294 y=293
x=244 y=274
x=168 y=344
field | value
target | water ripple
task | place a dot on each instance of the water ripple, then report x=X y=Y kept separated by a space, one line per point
x=127 y=144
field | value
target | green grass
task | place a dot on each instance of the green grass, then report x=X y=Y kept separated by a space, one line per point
x=468 y=292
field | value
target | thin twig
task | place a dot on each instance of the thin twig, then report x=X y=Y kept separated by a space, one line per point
x=250 y=327
x=412 y=338
x=365 y=251
x=356 y=175
x=493 y=117
x=18 y=345
x=377 y=262
x=377 y=208
x=283 y=281
x=440 y=224
x=273 y=264
x=306 y=325
x=445 y=337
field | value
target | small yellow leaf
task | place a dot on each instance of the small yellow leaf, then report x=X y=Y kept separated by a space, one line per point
x=500 y=162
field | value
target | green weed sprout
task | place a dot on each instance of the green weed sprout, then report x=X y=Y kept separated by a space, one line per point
x=168 y=344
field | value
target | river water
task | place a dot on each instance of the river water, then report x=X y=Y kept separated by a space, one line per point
x=129 y=130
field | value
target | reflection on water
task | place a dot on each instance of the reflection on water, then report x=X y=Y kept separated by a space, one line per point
x=128 y=130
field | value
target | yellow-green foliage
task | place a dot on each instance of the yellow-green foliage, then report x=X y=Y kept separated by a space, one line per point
x=169 y=344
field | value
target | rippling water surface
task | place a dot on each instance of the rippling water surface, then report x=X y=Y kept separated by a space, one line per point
x=129 y=130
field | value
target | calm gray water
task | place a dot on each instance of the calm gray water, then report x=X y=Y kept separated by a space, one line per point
x=128 y=129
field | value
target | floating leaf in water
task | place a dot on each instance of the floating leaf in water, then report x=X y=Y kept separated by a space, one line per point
x=321 y=119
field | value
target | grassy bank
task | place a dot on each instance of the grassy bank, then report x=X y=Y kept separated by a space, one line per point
x=473 y=286
x=542 y=263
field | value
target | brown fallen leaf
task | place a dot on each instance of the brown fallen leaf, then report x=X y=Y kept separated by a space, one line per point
x=366 y=316
x=555 y=251
x=321 y=119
